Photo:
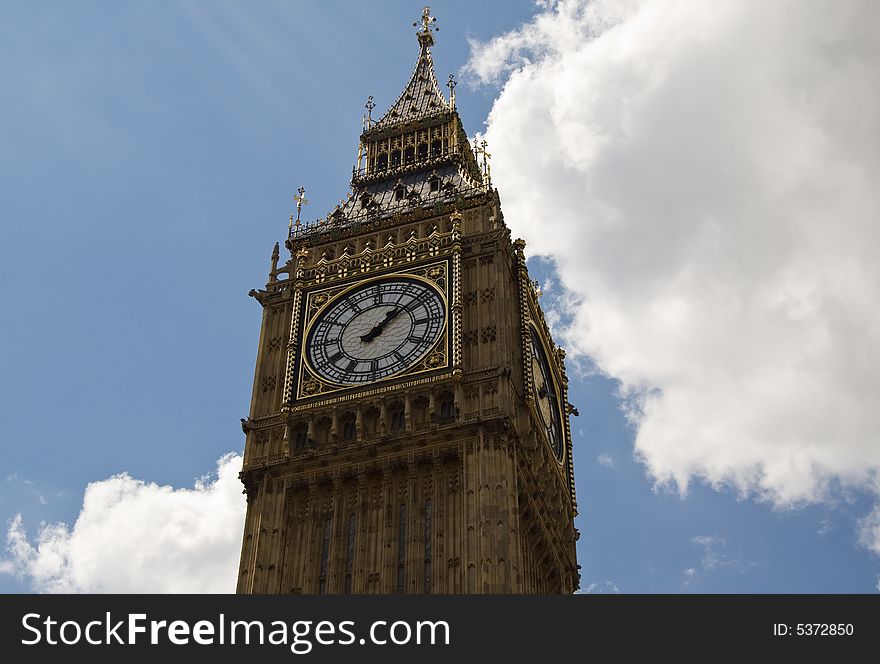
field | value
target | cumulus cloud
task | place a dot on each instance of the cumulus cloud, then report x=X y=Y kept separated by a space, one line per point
x=869 y=531
x=704 y=177
x=133 y=536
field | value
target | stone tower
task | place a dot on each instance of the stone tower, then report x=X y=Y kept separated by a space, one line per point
x=408 y=430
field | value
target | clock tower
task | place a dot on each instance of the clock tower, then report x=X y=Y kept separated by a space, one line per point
x=409 y=425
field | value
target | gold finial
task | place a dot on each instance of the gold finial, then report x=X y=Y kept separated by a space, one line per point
x=480 y=151
x=426 y=39
x=369 y=106
x=451 y=83
x=300 y=201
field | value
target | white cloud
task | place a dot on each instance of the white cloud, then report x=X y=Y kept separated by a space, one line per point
x=605 y=460
x=869 y=530
x=139 y=537
x=713 y=557
x=604 y=587
x=705 y=178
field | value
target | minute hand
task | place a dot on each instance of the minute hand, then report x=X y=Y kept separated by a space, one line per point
x=377 y=329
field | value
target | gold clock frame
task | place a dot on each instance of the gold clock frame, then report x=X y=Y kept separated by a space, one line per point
x=437 y=275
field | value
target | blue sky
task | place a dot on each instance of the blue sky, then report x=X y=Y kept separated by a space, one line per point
x=150 y=152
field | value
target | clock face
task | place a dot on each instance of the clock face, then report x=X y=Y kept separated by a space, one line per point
x=546 y=397
x=375 y=331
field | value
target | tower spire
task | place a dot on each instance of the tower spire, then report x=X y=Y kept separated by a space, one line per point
x=426 y=39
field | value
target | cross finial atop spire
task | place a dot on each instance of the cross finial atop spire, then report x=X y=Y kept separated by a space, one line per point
x=369 y=106
x=451 y=83
x=300 y=201
x=426 y=39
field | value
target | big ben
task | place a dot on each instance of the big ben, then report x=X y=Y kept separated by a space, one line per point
x=409 y=425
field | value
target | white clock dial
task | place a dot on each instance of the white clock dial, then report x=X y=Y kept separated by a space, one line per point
x=376 y=330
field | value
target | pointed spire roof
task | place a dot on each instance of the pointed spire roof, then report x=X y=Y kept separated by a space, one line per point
x=421 y=96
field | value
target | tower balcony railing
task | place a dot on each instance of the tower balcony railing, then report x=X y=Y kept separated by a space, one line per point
x=406 y=164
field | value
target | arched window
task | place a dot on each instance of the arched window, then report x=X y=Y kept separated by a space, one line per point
x=420 y=411
x=325 y=557
x=398 y=416
x=322 y=431
x=447 y=408
x=429 y=534
x=370 y=421
x=401 y=550
x=300 y=437
x=349 y=427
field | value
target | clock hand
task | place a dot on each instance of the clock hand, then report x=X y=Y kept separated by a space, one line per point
x=378 y=327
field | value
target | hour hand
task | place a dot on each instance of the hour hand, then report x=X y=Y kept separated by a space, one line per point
x=378 y=327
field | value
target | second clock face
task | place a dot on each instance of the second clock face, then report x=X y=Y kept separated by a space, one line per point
x=375 y=331
x=546 y=397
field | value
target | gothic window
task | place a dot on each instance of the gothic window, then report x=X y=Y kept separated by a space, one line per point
x=300 y=437
x=434 y=183
x=420 y=411
x=401 y=551
x=395 y=159
x=398 y=416
x=325 y=557
x=436 y=148
x=381 y=162
x=447 y=408
x=409 y=155
x=322 y=431
x=349 y=554
x=371 y=421
x=422 y=152
x=429 y=533
x=399 y=192
x=349 y=427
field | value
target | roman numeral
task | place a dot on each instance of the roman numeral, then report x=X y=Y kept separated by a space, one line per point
x=374 y=365
x=335 y=357
x=351 y=366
